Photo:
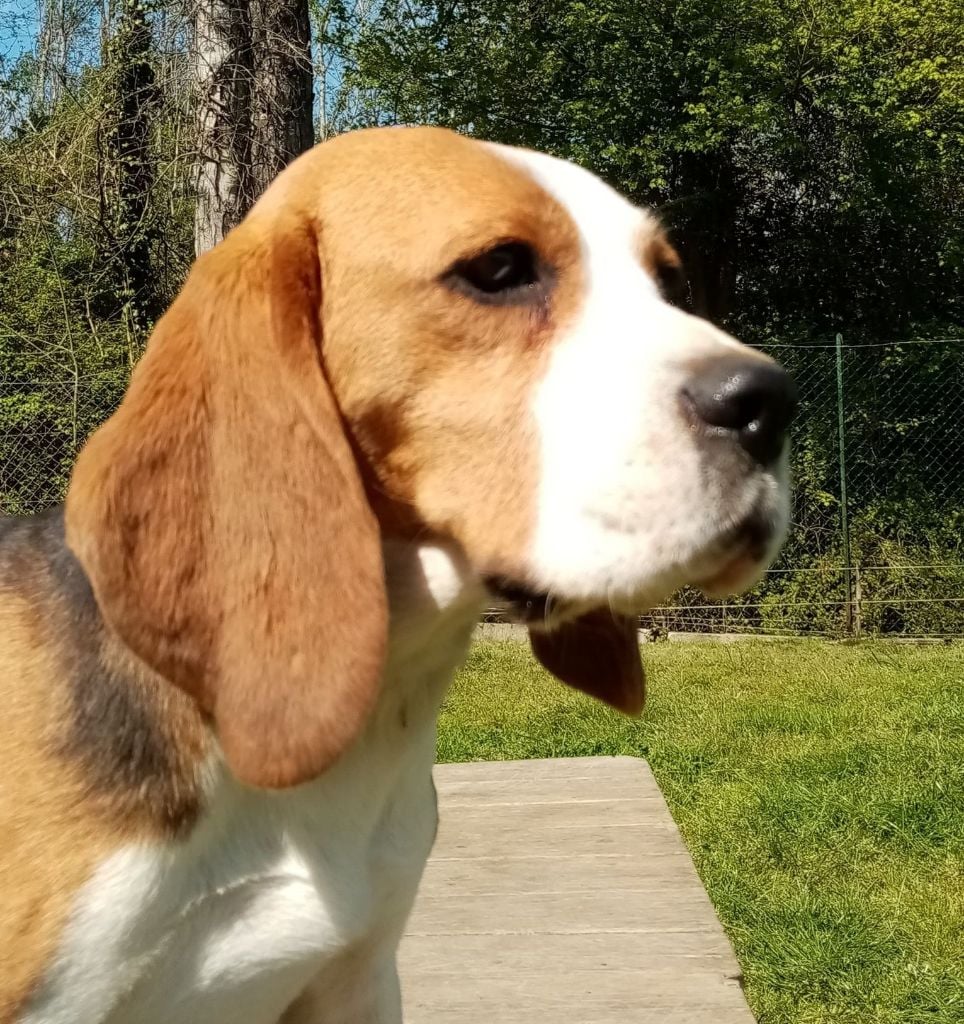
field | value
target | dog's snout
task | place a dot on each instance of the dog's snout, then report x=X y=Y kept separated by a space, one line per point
x=751 y=400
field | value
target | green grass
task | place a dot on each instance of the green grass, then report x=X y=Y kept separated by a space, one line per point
x=819 y=787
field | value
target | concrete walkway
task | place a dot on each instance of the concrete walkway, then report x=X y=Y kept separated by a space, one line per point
x=560 y=892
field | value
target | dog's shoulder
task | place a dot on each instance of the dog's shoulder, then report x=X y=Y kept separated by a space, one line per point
x=134 y=739
x=97 y=750
x=36 y=566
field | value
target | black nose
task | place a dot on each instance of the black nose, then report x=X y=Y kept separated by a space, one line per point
x=752 y=400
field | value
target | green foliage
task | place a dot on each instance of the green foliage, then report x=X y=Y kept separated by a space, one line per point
x=60 y=370
x=66 y=342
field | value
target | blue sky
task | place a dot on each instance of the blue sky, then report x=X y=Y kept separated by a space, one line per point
x=18 y=27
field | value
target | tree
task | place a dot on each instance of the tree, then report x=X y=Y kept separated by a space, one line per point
x=254 y=81
x=281 y=97
x=224 y=78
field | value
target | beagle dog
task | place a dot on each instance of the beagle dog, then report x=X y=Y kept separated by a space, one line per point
x=423 y=371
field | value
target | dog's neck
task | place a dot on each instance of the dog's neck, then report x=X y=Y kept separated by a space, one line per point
x=435 y=599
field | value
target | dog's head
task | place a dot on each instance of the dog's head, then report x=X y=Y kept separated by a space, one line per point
x=415 y=334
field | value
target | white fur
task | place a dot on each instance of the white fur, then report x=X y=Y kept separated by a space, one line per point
x=277 y=895
x=630 y=507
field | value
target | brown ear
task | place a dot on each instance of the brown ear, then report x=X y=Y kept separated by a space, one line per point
x=597 y=653
x=221 y=518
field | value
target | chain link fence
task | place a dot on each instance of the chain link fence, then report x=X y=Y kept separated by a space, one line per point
x=43 y=423
x=877 y=539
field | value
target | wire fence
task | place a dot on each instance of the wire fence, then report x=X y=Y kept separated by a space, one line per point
x=876 y=545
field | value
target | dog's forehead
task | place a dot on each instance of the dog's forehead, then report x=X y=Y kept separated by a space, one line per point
x=434 y=191
x=605 y=218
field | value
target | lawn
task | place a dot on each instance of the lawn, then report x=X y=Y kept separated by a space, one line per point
x=819 y=787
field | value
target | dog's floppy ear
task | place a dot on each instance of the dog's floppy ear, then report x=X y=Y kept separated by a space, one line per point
x=222 y=520
x=597 y=653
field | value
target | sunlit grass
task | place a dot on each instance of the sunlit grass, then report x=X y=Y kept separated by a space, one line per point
x=820 y=789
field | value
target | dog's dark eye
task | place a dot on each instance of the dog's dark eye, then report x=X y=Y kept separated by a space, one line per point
x=500 y=272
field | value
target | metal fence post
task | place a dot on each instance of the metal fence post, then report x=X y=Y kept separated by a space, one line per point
x=858 y=604
x=844 y=516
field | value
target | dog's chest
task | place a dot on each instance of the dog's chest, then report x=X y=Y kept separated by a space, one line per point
x=234 y=922
x=272 y=888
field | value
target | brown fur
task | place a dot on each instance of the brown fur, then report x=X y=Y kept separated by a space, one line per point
x=662 y=262
x=435 y=388
x=220 y=563
x=53 y=837
x=221 y=519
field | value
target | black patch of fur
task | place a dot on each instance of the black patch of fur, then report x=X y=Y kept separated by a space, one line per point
x=120 y=713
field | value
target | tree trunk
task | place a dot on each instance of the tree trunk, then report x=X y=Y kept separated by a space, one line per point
x=282 y=94
x=51 y=66
x=224 y=75
x=253 y=72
